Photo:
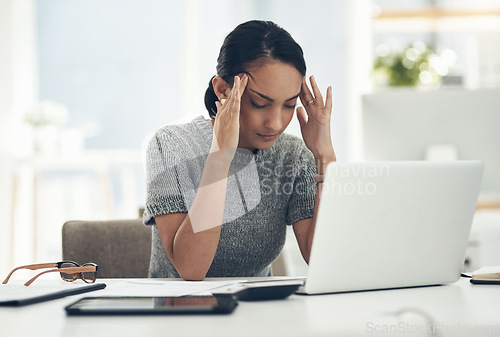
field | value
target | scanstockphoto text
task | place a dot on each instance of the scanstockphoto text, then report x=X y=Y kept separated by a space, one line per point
x=283 y=179
x=354 y=179
x=348 y=179
x=248 y=181
x=432 y=329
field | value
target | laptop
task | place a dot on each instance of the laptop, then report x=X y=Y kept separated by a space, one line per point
x=390 y=225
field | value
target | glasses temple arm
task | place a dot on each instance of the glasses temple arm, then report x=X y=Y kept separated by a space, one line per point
x=70 y=270
x=30 y=267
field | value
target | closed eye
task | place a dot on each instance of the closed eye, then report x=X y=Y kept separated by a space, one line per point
x=256 y=106
x=291 y=106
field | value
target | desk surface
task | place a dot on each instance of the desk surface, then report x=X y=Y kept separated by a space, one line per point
x=399 y=312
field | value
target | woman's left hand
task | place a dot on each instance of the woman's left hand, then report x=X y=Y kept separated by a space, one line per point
x=315 y=127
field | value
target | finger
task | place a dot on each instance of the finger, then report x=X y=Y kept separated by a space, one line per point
x=235 y=108
x=235 y=98
x=234 y=88
x=231 y=91
x=301 y=116
x=315 y=88
x=230 y=97
x=244 y=82
x=329 y=99
x=227 y=102
x=218 y=104
x=305 y=94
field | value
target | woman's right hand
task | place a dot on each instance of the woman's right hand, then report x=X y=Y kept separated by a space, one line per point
x=227 y=121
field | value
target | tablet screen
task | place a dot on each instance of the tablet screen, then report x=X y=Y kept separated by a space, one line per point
x=151 y=305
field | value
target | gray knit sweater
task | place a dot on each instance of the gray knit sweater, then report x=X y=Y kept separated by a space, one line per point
x=267 y=190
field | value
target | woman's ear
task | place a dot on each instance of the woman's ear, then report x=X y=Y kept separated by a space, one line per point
x=221 y=88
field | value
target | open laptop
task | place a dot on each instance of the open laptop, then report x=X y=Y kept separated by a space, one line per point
x=392 y=224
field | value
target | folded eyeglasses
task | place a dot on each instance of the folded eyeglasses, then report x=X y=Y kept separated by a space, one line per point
x=70 y=271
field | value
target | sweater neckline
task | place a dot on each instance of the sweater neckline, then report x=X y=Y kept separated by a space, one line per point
x=205 y=125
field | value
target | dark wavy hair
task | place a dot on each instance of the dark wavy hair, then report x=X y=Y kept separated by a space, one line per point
x=249 y=43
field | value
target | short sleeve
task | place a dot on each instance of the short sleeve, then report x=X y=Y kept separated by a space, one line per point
x=163 y=177
x=301 y=203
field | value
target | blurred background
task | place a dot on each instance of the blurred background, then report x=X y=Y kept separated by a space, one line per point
x=84 y=84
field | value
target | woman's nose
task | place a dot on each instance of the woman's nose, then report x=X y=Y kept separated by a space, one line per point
x=273 y=120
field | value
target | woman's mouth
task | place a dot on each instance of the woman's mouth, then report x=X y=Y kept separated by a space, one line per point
x=268 y=137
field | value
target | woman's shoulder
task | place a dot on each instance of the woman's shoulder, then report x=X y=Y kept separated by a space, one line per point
x=173 y=135
x=195 y=128
x=181 y=140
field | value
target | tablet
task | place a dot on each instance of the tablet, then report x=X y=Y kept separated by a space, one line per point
x=474 y=281
x=261 y=290
x=152 y=305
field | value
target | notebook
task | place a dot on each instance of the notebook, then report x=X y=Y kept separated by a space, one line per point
x=19 y=295
x=486 y=275
x=392 y=224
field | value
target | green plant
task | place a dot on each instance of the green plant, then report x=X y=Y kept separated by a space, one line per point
x=417 y=65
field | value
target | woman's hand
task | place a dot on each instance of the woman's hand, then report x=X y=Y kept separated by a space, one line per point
x=315 y=127
x=227 y=121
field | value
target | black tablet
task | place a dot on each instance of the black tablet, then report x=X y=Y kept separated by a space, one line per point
x=474 y=281
x=152 y=305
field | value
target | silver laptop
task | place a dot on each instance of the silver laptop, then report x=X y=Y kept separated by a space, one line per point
x=391 y=225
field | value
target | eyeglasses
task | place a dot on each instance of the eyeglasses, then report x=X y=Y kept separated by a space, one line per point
x=70 y=271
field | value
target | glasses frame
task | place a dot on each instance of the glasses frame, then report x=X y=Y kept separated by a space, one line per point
x=77 y=271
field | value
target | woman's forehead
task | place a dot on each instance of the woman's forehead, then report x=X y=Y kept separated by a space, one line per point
x=275 y=79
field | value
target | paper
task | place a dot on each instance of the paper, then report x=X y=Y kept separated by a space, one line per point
x=487 y=270
x=487 y=274
x=156 y=288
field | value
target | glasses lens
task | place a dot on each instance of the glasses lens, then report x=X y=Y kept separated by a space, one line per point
x=89 y=277
x=65 y=276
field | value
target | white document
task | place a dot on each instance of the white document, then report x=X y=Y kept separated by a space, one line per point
x=487 y=270
x=157 y=288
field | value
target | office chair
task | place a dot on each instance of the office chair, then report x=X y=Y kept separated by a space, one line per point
x=121 y=248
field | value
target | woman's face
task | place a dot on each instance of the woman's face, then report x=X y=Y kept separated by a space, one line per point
x=268 y=104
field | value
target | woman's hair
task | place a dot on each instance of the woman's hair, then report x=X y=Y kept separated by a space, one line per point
x=249 y=43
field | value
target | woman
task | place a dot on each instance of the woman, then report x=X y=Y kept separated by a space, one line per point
x=221 y=192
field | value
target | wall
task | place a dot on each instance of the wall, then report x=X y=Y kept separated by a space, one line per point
x=18 y=90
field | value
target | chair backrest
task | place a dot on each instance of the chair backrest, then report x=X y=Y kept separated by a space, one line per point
x=121 y=248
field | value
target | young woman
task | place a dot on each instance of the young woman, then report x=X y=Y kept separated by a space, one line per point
x=222 y=191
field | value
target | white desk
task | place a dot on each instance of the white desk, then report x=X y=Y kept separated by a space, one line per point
x=350 y=314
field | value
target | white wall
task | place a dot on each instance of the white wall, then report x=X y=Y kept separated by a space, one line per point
x=6 y=71
x=18 y=90
x=124 y=68
x=131 y=80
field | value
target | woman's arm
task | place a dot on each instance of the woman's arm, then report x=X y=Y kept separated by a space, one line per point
x=304 y=229
x=317 y=137
x=190 y=240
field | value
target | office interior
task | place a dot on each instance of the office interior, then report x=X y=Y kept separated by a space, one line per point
x=84 y=84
